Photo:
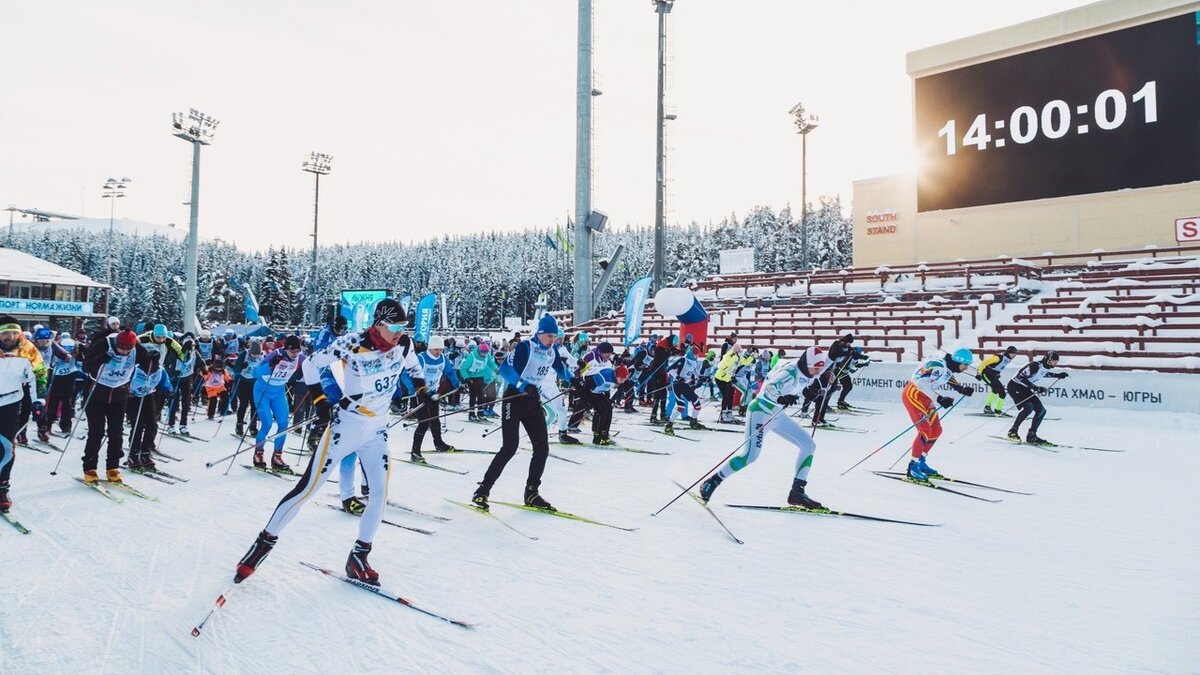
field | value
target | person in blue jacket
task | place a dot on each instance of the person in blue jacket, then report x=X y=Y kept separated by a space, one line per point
x=270 y=392
x=524 y=371
x=146 y=393
x=434 y=366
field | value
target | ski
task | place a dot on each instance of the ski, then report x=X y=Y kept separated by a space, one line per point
x=173 y=477
x=249 y=437
x=947 y=479
x=724 y=431
x=704 y=505
x=101 y=489
x=483 y=422
x=151 y=475
x=385 y=594
x=280 y=476
x=164 y=455
x=124 y=487
x=460 y=451
x=385 y=521
x=905 y=479
x=489 y=514
x=834 y=427
x=431 y=516
x=35 y=448
x=1043 y=446
x=16 y=525
x=179 y=437
x=568 y=516
x=218 y=604
x=829 y=512
x=674 y=435
x=1006 y=416
x=610 y=447
x=427 y=465
x=48 y=444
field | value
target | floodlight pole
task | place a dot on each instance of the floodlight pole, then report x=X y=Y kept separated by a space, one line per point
x=804 y=124
x=318 y=165
x=582 y=297
x=197 y=129
x=662 y=7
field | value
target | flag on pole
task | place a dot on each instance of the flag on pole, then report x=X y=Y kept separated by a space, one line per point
x=251 y=305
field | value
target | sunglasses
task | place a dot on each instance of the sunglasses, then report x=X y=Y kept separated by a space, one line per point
x=395 y=327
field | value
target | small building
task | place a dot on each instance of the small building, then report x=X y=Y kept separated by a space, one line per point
x=37 y=291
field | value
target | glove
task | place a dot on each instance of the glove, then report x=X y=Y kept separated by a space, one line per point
x=1040 y=390
x=786 y=400
x=967 y=391
x=945 y=401
x=532 y=392
x=1061 y=376
x=39 y=410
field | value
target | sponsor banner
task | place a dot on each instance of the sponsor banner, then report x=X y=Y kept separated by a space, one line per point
x=1142 y=391
x=52 y=307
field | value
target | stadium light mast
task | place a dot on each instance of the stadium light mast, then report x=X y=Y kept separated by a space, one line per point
x=112 y=190
x=662 y=8
x=318 y=164
x=196 y=128
x=805 y=122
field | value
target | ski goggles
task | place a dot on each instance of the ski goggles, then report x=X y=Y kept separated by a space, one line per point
x=395 y=327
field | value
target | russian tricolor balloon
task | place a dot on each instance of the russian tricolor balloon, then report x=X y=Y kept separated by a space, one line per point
x=682 y=304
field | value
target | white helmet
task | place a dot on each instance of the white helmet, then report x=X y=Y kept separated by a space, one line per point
x=436 y=342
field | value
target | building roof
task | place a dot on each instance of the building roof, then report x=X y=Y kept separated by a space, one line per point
x=20 y=266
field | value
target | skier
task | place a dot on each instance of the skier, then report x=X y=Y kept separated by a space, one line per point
x=216 y=383
x=270 y=393
x=596 y=378
x=247 y=362
x=554 y=401
x=323 y=389
x=60 y=399
x=184 y=370
x=474 y=368
x=57 y=358
x=110 y=363
x=681 y=373
x=434 y=365
x=657 y=376
x=374 y=361
x=989 y=373
x=1025 y=390
x=919 y=395
x=781 y=389
x=144 y=404
x=21 y=369
x=724 y=379
x=524 y=372
x=857 y=360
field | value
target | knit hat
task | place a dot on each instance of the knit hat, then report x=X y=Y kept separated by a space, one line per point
x=126 y=339
x=160 y=331
x=291 y=342
x=255 y=348
x=389 y=310
x=8 y=323
x=483 y=348
x=112 y=322
x=547 y=324
x=605 y=348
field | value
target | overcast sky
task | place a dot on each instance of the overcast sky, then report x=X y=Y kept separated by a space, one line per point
x=453 y=117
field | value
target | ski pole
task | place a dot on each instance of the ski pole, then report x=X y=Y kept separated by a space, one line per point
x=723 y=460
x=86 y=400
x=952 y=407
x=890 y=441
x=1015 y=405
x=209 y=465
x=492 y=431
x=452 y=412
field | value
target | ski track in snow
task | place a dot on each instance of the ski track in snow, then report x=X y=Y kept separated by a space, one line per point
x=1094 y=573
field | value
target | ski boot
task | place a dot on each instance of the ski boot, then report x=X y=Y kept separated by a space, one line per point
x=5 y=501
x=629 y=409
x=134 y=462
x=445 y=447
x=533 y=499
x=988 y=412
x=797 y=496
x=602 y=440
x=239 y=429
x=171 y=430
x=472 y=417
x=842 y=405
x=668 y=429
x=22 y=438
x=259 y=550
x=656 y=422
x=259 y=462
x=354 y=505
x=929 y=471
x=1000 y=413
x=1034 y=439
x=113 y=476
x=567 y=439
x=366 y=492
x=1014 y=435
x=147 y=460
x=915 y=473
x=488 y=412
x=90 y=477
x=280 y=466
x=573 y=429
x=480 y=499
x=43 y=435
x=694 y=423
x=417 y=458
x=726 y=417
x=357 y=566
x=710 y=486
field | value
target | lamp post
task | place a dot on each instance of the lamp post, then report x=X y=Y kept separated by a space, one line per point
x=196 y=128
x=805 y=122
x=318 y=165
x=662 y=8
x=112 y=190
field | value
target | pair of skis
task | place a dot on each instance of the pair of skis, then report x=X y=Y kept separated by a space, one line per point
x=559 y=514
x=940 y=483
x=1053 y=447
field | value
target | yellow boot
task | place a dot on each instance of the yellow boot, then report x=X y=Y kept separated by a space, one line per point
x=114 y=475
x=90 y=476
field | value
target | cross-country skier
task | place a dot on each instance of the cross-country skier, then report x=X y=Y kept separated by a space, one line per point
x=1025 y=390
x=524 y=372
x=857 y=361
x=765 y=413
x=270 y=394
x=919 y=395
x=110 y=362
x=989 y=373
x=682 y=371
x=476 y=365
x=374 y=361
x=434 y=365
x=243 y=387
x=182 y=373
x=21 y=368
x=143 y=404
x=596 y=379
x=57 y=358
x=724 y=379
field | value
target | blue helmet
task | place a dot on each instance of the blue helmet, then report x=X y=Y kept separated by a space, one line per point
x=963 y=355
x=43 y=334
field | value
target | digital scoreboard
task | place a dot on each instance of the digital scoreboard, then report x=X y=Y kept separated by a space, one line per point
x=1108 y=112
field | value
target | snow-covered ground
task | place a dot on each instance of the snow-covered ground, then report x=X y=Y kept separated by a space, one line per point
x=1097 y=572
